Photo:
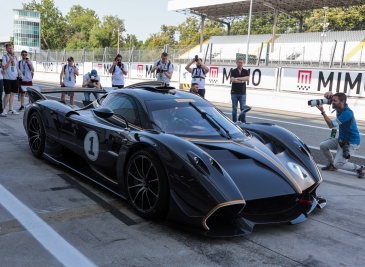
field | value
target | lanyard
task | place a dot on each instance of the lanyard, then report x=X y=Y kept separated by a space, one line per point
x=69 y=70
x=24 y=63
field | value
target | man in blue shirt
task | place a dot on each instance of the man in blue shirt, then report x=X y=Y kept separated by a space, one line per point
x=348 y=132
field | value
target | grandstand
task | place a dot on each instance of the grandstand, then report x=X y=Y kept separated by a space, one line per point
x=306 y=49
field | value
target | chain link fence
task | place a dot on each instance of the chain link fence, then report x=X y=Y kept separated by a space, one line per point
x=316 y=50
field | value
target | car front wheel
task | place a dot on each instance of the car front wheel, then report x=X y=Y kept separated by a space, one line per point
x=146 y=184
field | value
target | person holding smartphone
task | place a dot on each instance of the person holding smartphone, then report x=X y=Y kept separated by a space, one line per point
x=26 y=67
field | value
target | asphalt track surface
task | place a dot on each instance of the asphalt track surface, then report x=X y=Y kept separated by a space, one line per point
x=50 y=216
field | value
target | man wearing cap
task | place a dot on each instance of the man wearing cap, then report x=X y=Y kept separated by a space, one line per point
x=91 y=80
x=68 y=79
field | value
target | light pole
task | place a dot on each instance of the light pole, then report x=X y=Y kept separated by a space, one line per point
x=118 y=26
x=325 y=24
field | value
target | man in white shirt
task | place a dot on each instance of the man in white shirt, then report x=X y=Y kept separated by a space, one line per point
x=1 y=88
x=68 y=79
x=164 y=69
x=91 y=80
x=198 y=74
x=26 y=67
x=11 y=73
x=118 y=71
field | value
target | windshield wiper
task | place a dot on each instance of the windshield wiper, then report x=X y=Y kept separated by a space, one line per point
x=216 y=125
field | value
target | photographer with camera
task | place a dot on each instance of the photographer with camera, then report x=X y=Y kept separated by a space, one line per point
x=198 y=74
x=26 y=67
x=11 y=75
x=348 y=142
x=118 y=70
x=91 y=80
x=164 y=69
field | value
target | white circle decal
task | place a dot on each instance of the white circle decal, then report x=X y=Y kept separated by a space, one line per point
x=300 y=171
x=91 y=145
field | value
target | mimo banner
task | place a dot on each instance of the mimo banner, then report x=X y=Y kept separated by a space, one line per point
x=322 y=80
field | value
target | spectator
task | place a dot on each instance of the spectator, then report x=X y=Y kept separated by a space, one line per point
x=91 y=80
x=11 y=73
x=26 y=67
x=1 y=88
x=198 y=74
x=194 y=89
x=68 y=79
x=239 y=77
x=348 y=142
x=118 y=71
x=164 y=69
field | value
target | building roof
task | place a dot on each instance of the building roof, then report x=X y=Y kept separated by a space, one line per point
x=226 y=10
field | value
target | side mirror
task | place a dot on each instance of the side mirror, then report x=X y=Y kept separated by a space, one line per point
x=244 y=110
x=103 y=112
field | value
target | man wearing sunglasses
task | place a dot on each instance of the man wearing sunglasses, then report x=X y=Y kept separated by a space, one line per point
x=26 y=67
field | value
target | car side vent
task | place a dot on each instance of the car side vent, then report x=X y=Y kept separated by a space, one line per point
x=208 y=147
x=215 y=165
x=239 y=155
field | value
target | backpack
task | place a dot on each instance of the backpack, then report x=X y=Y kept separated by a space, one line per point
x=168 y=64
x=32 y=72
x=64 y=71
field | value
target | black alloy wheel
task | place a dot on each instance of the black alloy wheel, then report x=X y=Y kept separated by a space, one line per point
x=36 y=135
x=146 y=184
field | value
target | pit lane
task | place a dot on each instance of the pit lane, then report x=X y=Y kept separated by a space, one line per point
x=333 y=236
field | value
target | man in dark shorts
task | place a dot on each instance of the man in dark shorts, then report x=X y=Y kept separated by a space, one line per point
x=239 y=77
x=26 y=67
x=11 y=75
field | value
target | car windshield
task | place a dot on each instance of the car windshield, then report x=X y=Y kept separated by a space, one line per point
x=178 y=116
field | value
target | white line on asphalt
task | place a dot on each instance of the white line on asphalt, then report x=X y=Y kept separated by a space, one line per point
x=287 y=122
x=42 y=232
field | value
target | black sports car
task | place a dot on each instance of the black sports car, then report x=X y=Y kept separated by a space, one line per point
x=174 y=155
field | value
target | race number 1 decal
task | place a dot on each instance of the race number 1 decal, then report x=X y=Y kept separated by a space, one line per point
x=91 y=145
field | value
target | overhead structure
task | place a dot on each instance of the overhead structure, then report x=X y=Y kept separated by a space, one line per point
x=226 y=11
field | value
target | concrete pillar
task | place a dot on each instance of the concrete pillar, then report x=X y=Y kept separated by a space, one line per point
x=202 y=33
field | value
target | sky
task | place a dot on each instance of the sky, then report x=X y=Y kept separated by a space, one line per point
x=141 y=17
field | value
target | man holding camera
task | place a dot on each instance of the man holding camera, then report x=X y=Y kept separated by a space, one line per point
x=164 y=69
x=348 y=142
x=118 y=70
x=91 y=80
x=198 y=74
x=11 y=74
x=68 y=74
x=26 y=67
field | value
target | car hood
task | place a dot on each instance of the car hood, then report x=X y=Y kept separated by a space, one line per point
x=257 y=171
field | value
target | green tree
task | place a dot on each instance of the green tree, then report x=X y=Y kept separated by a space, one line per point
x=129 y=41
x=339 y=19
x=105 y=34
x=53 y=26
x=80 y=22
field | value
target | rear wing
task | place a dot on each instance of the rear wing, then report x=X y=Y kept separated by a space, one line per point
x=35 y=93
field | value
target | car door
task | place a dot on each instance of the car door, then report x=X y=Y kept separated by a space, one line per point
x=102 y=143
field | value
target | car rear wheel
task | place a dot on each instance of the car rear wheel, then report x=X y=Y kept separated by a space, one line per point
x=36 y=135
x=146 y=184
